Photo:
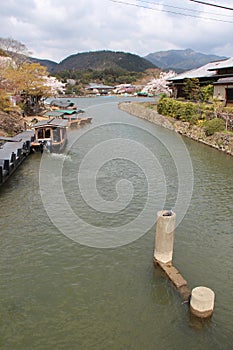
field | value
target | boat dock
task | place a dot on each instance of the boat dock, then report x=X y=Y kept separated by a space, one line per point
x=71 y=115
x=13 y=151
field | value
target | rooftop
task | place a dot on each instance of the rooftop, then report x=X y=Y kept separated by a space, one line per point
x=99 y=86
x=51 y=122
x=62 y=103
x=228 y=63
x=228 y=80
x=208 y=70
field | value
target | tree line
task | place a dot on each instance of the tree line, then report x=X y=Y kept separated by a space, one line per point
x=108 y=76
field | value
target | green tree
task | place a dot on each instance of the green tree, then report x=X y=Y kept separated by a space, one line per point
x=206 y=92
x=191 y=89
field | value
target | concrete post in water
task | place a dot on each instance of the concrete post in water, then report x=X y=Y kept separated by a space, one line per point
x=13 y=159
x=1 y=175
x=164 y=239
x=202 y=302
x=6 y=165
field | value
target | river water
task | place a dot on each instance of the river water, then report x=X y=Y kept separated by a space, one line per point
x=77 y=240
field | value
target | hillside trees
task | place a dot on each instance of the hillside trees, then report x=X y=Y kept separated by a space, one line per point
x=28 y=83
x=108 y=76
x=14 y=49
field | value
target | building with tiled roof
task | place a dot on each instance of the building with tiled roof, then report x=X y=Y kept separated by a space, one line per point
x=218 y=73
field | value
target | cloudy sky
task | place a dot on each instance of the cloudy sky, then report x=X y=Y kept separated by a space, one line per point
x=55 y=29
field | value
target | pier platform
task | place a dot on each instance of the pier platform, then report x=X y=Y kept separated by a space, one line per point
x=13 y=151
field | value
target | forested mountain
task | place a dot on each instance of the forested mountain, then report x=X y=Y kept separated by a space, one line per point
x=177 y=60
x=180 y=60
x=51 y=65
x=99 y=61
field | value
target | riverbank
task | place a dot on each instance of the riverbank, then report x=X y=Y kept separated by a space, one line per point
x=220 y=140
x=11 y=123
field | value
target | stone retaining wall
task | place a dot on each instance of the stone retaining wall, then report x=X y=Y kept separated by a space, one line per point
x=220 y=141
x=137 y=109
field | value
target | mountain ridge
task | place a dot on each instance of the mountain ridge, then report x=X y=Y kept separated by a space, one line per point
x=181 y=60
x=177 y=60
x=51 y=65
x=98 y=60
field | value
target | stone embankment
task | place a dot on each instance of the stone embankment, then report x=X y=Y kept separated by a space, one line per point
x=220 y=141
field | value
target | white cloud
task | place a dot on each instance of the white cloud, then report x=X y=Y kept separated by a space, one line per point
x=54 y=29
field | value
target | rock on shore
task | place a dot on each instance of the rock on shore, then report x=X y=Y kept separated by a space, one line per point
x=10 y=124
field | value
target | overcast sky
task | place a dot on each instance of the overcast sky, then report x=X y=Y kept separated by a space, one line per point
x=55 y=29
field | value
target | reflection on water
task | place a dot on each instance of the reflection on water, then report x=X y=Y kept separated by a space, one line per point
x=56 y=293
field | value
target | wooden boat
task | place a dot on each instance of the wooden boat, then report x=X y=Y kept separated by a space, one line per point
x=71 y=116
x=77 y=121
x=50 y=136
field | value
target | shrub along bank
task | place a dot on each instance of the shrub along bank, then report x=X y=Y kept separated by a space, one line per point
x=202 y=114
x=196 y=121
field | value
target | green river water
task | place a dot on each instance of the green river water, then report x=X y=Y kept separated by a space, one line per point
x=81 y=275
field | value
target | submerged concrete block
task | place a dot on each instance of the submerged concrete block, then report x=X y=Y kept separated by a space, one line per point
x=202 y=302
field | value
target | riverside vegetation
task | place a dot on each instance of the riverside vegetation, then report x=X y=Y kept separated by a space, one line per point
x=207 y=123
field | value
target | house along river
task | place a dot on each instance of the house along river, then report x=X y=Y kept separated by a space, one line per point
x=77 y=240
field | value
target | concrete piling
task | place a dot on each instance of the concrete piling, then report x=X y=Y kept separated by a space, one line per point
x=202 y=302
x=164 y=236
x=6 y=165
x=201 y=299
x=163 y=252
x=1 y=175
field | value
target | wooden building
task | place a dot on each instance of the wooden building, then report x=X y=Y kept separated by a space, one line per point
x=218 y=73
x=223 y=85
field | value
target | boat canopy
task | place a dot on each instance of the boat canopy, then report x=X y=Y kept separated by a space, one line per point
x=62 y=112
x=62 y=103
x=55 y=122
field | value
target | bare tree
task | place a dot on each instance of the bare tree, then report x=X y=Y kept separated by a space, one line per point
x=15 y=49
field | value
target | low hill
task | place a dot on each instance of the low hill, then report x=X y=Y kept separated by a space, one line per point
x=99 y=60
x=181 y=60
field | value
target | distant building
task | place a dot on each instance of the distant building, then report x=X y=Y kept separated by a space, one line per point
x=218 y=73
x=124 y=89
x=223 y=86
x=204 y=75
x=71 y=82
x=99 y=88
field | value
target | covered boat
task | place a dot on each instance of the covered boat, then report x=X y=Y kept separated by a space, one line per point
x=50 y=135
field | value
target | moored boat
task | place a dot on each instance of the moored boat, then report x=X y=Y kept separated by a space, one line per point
x=70 y=115
x=50 y=135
